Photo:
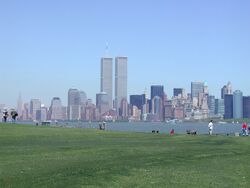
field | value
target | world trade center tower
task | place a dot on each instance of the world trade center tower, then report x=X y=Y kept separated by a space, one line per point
x=120 y=83
x=106 y=78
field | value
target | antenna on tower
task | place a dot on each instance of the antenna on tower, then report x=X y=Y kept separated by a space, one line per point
x=107 y=49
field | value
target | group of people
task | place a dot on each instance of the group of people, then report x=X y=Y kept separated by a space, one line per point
x=13 y=115
x=245 y=128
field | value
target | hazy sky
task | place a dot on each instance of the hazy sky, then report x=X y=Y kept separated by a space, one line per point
x=49 y=46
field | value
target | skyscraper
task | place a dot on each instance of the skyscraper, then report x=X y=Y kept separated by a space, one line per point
x=138 y=101
x=178 y=92
x=211 y=105
x=238 y=104
x=196 y=89
x=20 y=106
x=157 y=100
x=228 y=102
x=219 y=107
x=107 y=79
x=120 y=83
x=226 y=89
x=246 y=107
x=74 y=107
x=35 y=109
x=157 y=90
x=56 y=109
x=102 y=102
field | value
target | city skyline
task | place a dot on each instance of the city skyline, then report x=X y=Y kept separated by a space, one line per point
x=167 y=43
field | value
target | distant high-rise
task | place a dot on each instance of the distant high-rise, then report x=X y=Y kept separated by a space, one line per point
x=120 y=83
x=228 y=102
x=102 y=102
x=246 y=107
x=74 y=107
x=20 y=106
x=107 y=79
x=178 y=92
x=56 y=109
x=197 y=88
x=238 y=104
x=219 y=107
x=211 y=105
x=138 y=100
x=157 y=100
x=157 y=90
x=226 y=89
x=83 y=97
x=35 y=109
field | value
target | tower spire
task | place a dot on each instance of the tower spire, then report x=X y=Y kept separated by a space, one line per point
x=107 y=49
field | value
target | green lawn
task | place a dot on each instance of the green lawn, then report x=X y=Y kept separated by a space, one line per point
x=33 y=156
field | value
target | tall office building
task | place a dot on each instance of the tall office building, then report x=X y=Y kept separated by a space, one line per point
x=178 y=92
x=157 y=90
x=138 y=100
x=219 y=107
x=35 y=109
x=226 y=89
x=246 y=107
x=238 y=104
x=107 y=79
x=120 y=83
x=74 y=107
x=102 y=102
x=211 y=105
x=157 y=108
x=56 y=109
x=83 y=97
x=197 y=88
x=20 y=106
x=157 y=101
x=228 y=103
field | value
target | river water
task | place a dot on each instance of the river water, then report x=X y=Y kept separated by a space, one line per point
x=201 y=128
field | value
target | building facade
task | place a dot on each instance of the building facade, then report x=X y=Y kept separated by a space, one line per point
x=120 y=83
x=246 y=107
x=228 y=103
x=237 y=104
x=107 y=79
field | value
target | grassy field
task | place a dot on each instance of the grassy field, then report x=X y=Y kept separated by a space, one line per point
x=62 y=157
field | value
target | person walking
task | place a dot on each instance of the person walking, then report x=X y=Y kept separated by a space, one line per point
x=244 y=129
x=210 y=127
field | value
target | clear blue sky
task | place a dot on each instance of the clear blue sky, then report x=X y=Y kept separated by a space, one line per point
x=49 y=46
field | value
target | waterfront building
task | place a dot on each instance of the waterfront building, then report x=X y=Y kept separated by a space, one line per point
x=43 y=113
x=226 y=89
x=107 y=79
x=139 y=101
x=178 y=112
x=228 y=103
x=35 y=109
x=102 y=102
x=211 y=105
x=197 y=88
x=157 y=90
x=157 y=107
x=74 y=107
x=219 y=107
x=20 y=107
x=237 y=104
x=120 y=83
x=56 y=109
x=246 y=107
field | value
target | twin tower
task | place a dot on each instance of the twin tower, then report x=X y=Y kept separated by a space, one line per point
x=121 y=77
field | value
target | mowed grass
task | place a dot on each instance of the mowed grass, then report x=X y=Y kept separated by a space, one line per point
x=33 y=156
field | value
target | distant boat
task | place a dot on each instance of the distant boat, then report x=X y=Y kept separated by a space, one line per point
x=222 y=122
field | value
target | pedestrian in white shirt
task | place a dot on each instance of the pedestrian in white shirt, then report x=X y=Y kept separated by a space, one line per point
x=210 y=127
